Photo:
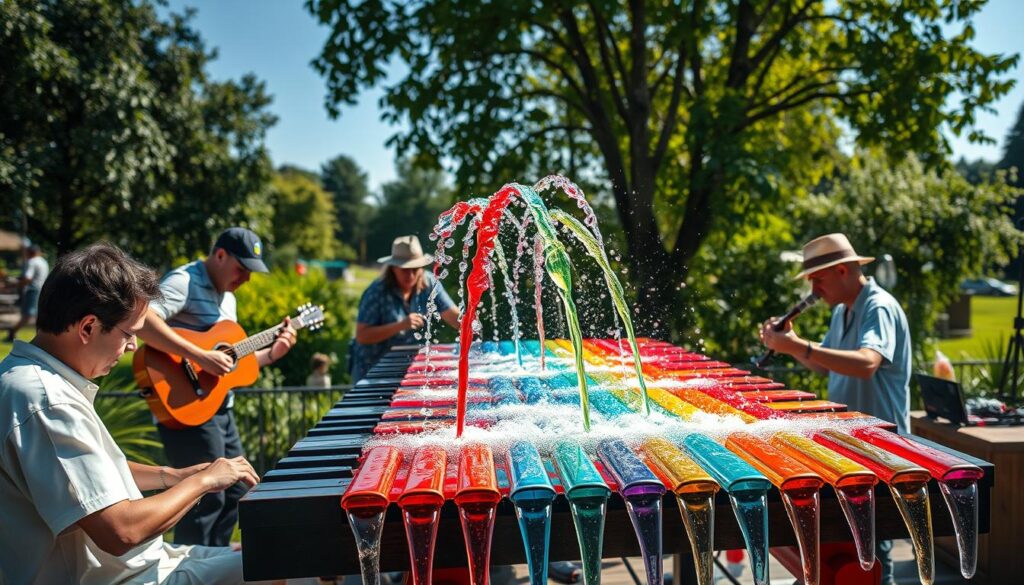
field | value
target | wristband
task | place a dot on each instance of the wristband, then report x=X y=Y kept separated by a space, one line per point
x=807 y=355
x=163 y=480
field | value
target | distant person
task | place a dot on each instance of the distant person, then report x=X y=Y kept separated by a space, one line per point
x=320 y=376
x=394 y=306
x=196 y=296
x=866 y=351
x=31 y=283
x=71 y=504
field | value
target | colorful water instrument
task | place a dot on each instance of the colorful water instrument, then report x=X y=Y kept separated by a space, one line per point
x=581 y=485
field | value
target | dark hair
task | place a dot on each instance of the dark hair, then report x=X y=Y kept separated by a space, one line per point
x=97 y=280
x=319 y=359
x=391 y=282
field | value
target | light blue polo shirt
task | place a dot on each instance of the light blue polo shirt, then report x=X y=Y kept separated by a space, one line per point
x=879 y=323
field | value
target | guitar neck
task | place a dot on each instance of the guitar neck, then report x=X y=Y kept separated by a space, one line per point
x=256 y=342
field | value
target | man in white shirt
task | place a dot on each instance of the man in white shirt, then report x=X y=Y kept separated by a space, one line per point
x=71 y=504
x=31 y=282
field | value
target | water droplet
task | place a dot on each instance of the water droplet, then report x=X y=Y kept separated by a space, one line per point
x=449 y=243
x=433 y=237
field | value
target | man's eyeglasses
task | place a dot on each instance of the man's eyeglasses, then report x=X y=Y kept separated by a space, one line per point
x=129 y=338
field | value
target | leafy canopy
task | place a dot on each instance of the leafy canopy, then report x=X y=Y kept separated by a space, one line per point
x=691 y=114
x=112 y=130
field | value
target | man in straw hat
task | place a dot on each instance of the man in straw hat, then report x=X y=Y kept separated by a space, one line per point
x=393 y=307
x=866 y=351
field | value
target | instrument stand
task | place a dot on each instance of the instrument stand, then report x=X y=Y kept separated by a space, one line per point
x=1008 y=392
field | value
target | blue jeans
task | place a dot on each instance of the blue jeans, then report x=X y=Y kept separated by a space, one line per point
x=883 y=552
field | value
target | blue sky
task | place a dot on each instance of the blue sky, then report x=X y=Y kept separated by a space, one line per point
x=277 y=39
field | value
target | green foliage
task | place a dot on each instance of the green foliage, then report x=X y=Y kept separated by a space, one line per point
x=266 y=299
x=976 y=171
x=303 y=215
x=938 y=228
x=109 y=117
x=347 y=184
x=408 y=205
x=1013 y=150
x=738 y=283
x=694 y=116
x=128 y=419
x=984 y=380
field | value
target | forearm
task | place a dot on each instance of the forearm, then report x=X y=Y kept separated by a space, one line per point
x=805 y=358
x=152 y=477
x=370 y=334
x=452 y=317
x=130 y=523
x=263 y=357
x=855 y=363
x=157 y=333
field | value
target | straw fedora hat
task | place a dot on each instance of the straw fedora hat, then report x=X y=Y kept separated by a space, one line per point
x=406 y=252
x=829 y=250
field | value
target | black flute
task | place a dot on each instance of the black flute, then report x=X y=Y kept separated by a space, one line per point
x=798 y=308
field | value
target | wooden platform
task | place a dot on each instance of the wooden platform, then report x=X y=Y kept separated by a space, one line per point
x=999 y=552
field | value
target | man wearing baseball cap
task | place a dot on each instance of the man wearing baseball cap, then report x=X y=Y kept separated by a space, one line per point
x=196 y=296
x=866 y=351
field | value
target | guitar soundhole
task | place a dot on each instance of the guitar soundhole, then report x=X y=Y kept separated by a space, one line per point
x=228 y=349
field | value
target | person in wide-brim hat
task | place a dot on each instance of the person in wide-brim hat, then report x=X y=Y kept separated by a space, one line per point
x=393 y=309
x=827 y=251
x=406 y=252
x=866 y=352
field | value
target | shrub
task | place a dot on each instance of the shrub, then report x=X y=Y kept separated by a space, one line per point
x=267 y=299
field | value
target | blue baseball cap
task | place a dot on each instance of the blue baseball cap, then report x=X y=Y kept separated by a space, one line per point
x=245 y=246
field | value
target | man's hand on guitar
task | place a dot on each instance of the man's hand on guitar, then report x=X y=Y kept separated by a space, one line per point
x=224 y=473
x=214 y=362
x=284 y=342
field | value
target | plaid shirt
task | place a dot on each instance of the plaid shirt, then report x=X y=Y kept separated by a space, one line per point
x=380 y=305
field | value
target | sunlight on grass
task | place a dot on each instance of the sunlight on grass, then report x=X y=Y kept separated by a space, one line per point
x=992 y=325
x=362 y=277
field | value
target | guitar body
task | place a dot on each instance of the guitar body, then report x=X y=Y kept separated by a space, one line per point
x=170 y=391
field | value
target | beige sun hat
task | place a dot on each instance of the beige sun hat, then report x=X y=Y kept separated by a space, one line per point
x=829 y=250
x=406 y=252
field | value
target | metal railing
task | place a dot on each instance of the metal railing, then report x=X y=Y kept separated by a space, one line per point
x=270 y=420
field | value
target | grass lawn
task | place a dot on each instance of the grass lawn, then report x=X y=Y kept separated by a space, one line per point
x=362 y=277
x=991 y=324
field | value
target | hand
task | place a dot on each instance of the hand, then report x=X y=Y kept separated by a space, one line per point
x=214 y=362
x=224 y=473
x=284 y=342
x=413 y=321
x=779 y=341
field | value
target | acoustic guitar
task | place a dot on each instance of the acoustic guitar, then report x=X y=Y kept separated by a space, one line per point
x=181 y=394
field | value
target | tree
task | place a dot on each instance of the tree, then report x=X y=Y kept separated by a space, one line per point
x=977 y=171
x=303 y=217
x=703 y=109
x=1013 y=151
x=347 y=184
x=938 y=228
x=111 y=129
x=408 y=205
